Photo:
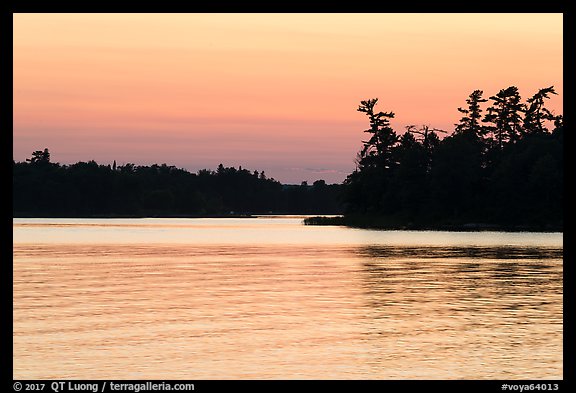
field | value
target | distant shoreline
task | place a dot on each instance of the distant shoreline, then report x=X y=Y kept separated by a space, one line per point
x=376 y=223
x=232 y=215
x=339 y=220
x=141 y=216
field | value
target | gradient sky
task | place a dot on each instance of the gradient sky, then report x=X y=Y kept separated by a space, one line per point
x=272 y=92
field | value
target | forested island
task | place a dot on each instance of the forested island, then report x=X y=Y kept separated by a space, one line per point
x=499 y=170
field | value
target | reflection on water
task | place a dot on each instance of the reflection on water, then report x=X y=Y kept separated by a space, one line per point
x=488 y=315
x=472 y=252
x=212 y=299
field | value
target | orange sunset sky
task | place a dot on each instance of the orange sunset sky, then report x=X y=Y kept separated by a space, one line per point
x=272 y=92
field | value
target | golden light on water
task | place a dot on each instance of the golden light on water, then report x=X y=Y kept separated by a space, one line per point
x=365 y=309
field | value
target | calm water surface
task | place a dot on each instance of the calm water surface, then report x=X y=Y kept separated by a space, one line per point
x=270 y=298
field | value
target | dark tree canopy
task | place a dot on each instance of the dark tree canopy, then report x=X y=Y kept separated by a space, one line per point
x=470 y=123
x=87 y=189
x=505 y=116
x=377 y=151
x=40 y=157
x=502 y=170
x=536 y=113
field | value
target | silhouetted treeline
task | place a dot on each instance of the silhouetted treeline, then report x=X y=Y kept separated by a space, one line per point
x=501 y=167
x=87 y=189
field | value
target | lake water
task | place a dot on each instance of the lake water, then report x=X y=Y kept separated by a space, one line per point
x=270 y=298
